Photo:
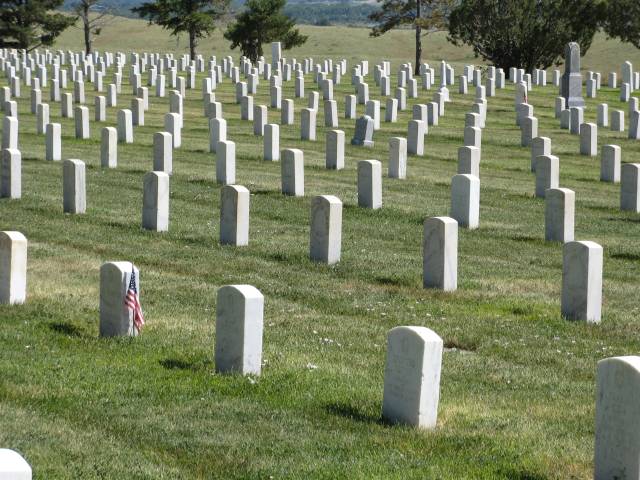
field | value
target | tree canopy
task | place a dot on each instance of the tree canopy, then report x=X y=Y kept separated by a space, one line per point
x=421 y=14
x=524 y=33
x=623 y=20
x=261 y=22
x=195 y=17
x=31 y=24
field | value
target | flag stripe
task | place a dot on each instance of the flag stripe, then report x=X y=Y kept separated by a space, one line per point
x=132 y=302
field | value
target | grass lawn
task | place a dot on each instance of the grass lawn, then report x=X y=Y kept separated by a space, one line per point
x=517 y=389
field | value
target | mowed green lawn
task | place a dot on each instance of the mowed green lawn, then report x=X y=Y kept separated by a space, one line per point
x=517 y=388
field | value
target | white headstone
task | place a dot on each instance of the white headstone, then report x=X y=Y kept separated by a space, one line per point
x=547 y=173
x=292 y=172
x=74 y=186
x=630 y=187
x=239 y=326
x=610 y=164
x=397 y=157
x=109 y=148
x=155 y=202
x=370 y=184
x=53 y=142
x=13 y=466
x=334 y=151
x=617 y=445
x=10 y=173
x=465 y=200
x=326 y=229
x=559 y=214
x=116 y=319
x=440 y=253
x=412 y=377
x=271 y=147
x=13 y=274
x=234 y=215
x=582 y=281
x=226 y=162
x=163 y=152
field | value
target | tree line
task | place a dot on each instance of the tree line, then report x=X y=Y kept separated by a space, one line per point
x=507 y=33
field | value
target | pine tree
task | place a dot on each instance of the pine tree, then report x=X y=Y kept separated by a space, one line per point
x=93 y=15
x=262 y=22
x=524 y=34
x=195 y=17
x=422 y=14
x=30 y=24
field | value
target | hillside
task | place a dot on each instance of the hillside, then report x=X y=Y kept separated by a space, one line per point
x=312 y=12
x=352 y=43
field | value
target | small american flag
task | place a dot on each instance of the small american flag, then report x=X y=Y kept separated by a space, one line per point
x=132 y=302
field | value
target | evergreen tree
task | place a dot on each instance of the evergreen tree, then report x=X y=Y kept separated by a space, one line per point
x=524 y=33
x=263 y=21
x=30 y=24
x=195 y=17
x=93 y=15
x=422 y=14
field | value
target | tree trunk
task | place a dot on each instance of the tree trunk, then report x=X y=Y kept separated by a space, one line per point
x=192 y=44
x=87 y=28
x=416 y=68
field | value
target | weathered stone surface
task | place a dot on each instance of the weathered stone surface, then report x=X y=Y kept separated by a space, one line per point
x=397 y=157
x=163 y=152
x=412 y=377
x=74 y=186
x=547 y=174
x=363 y=135
x=617 y=443
x=115 y=318
x=155 y=202
x=610 y=164
x=440 y=253
x=630 y=187
x=334 y=158
x=539 y=146
x=10 y=173
x=571 y=88
x=292 y=172
x=234 y=215
x=109 y=148
x=271 y=144
x=326 y=229
x=582 y=281
x=559 y=215
x=370 y=184
x=226 y=162
x=13 y=268
x=239 y=327
x=465 y=200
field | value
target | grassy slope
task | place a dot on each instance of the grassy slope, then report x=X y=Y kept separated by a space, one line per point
x=338 y=42
x=517 y=396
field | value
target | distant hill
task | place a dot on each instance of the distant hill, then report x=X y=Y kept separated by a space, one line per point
x=311 y=12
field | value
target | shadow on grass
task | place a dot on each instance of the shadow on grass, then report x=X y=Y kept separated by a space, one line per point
x=290 y=258
x=393 y=281
x=66 y=329
x=460 y=345
x=627 y=256
x=267 y=193
x=341 y=409
x=624 y=219
x=180 y=364
x=528 y=239
x=512 y=474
